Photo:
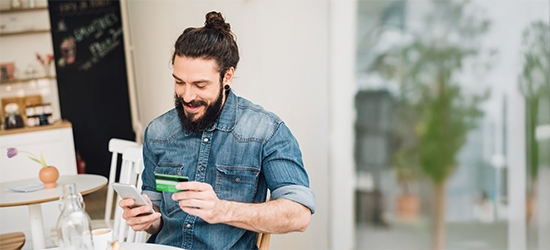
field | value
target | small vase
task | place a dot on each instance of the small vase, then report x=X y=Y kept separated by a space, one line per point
x=49 y=176
x=47 y=70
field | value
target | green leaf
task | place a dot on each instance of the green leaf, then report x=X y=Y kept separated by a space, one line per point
x=34 y=159
x=42 y=161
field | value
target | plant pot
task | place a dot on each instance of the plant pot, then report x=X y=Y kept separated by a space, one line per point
x=530 y=207
x=408 y=207
x=49 y=176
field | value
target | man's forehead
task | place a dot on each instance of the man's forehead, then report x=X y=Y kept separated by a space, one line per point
x=195 y=69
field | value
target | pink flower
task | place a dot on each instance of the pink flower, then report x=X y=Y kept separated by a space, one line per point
x=13 y=152
x=44 y=61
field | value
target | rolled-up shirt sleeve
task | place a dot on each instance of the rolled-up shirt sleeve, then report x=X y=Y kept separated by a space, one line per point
x=155 y=197
x=284 y=169
x=296 y=193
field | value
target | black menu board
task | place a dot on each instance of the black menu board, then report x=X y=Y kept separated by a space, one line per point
x=91 y=76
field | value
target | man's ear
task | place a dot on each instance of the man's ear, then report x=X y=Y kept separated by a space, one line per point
x=228 y=77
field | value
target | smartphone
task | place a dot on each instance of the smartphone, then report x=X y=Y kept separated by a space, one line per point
x=130 y=191
x=167 y=183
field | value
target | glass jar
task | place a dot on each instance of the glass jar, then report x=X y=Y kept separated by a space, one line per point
x=73 y=226
x=16 y=4
x=13 y=118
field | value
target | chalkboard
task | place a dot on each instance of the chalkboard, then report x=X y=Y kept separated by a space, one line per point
x=91 y=76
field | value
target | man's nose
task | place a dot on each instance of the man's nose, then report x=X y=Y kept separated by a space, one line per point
x=188 y=94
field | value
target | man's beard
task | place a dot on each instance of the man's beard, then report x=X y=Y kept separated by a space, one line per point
x=206 y=121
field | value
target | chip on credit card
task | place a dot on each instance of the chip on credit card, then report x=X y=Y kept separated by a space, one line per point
x=167 y=183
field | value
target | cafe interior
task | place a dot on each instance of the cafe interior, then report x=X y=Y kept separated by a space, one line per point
x=366 y=87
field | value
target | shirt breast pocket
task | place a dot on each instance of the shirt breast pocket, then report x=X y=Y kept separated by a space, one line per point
x=170 y=205
x=236 y=183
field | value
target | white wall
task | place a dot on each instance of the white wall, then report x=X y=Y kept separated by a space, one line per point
x=284 y=67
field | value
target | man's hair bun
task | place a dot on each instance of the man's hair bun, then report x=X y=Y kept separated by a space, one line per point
x=212 y=41
x=215 y=20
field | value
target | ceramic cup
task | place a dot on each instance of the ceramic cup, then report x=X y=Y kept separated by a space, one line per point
x=102 y=238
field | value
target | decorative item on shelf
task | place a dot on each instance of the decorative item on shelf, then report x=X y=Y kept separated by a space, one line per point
x=48 y=174
x=32 y=119
x=30 y=72
x=4 y=73
x=16 y=4
x=13 y=118
x=46 y=62
x=39 y=114
x=7 y=71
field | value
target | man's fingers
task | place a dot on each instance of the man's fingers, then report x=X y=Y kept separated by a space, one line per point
x=193 y=186
x=142 y=222
x=127 y=202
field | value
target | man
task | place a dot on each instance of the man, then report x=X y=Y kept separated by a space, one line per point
x=231 y=149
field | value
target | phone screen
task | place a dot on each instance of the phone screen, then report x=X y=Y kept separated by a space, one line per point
x=130 y=191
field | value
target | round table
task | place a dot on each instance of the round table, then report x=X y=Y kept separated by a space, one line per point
x=136 y=246
x=85 y=184
x=145 y=246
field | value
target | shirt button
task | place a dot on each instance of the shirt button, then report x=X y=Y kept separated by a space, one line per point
x=237 y=179
x=201 y=168
x=205 y=140
x=188 y=225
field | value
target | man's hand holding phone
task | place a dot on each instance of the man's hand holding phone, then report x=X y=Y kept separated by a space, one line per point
x=137 y=209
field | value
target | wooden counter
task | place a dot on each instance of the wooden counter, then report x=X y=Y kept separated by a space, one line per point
x=56 y=125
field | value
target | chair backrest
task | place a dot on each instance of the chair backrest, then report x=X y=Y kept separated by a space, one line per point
x=130 y=173
x=116 y=147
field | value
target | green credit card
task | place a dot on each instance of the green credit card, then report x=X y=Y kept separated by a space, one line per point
x=167 y=183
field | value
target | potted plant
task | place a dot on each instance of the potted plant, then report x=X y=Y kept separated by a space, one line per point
x=534 y=84
x=426 y=68
x=404 y=161
x=47 y=174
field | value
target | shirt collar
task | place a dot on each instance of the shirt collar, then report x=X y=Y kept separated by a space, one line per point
x=228 y=116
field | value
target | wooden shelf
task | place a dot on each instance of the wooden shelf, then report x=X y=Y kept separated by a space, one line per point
x=55 y=125
x=24 y=32
x=4 y=11
x=28 y=79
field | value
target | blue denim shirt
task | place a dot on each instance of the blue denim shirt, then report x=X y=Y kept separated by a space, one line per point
x=248 y=151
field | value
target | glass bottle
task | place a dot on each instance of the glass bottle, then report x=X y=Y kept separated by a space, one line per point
x=73 y=226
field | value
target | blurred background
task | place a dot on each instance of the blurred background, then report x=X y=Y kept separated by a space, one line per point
x=423 y=124
x=453 y=118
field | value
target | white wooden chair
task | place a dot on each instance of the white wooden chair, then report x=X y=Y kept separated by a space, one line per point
x=130 y=173
x=116 y=147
